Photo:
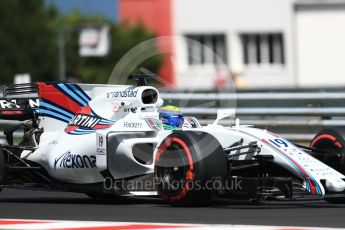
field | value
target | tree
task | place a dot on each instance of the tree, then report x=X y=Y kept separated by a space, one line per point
x=27 y=41
x=98 y=69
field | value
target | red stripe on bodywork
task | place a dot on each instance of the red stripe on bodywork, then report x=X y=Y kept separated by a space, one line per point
x=50 y=93
x=70 y=129
x=305 y=174
x=101 y=126
x=152 y=124
x=86 y=110
x=312 y=187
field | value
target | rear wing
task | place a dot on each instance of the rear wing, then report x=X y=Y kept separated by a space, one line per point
x=19 y=102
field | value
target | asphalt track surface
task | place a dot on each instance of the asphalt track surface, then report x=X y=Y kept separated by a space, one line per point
x=72 y=206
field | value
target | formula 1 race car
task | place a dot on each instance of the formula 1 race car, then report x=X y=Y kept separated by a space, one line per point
x=113 y=141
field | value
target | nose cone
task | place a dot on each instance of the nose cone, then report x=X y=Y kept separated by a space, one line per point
x=337 y=185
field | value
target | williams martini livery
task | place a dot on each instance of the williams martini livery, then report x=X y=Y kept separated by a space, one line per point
x=99 y=139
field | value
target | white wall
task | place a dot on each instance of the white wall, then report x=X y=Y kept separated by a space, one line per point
x=233 y=17
x=321 y=45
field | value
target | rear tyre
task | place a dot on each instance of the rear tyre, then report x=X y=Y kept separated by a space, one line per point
x=331 y=141
x=2 y=167
x=189 y=168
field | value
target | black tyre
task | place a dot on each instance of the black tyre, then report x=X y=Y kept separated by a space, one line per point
x=331 y=142
x=2 y=166
x=189 y=167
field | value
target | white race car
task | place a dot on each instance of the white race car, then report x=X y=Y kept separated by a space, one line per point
x=111 y=140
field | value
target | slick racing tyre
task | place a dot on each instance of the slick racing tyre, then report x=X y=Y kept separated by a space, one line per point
x=189 y=167
x=2 y=166
x=331 y=141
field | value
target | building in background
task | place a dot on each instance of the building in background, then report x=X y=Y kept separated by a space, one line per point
x=265 y=43
x=158 y=16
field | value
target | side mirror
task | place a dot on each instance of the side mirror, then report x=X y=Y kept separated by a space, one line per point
x=224 y=113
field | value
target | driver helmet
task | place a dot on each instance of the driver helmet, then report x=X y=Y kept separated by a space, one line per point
x=171 y=117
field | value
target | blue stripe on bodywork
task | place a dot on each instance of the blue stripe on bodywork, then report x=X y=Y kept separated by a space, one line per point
x=76 y=132
x=56 y=109
x=81 y=93
x=72 y=95
x=104 y=122
x=51 y=114
x=318 y=190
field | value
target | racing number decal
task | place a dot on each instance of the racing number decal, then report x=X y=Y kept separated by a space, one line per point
x=279 y=143
x=101 y=147
x=297 y=160
x=100 y=141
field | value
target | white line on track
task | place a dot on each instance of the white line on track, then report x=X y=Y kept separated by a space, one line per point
x=95 y=225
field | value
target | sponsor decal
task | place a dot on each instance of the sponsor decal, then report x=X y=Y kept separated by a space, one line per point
x=191 y=122
x=69 y=160
x=12 y=104
x=83 y=120
x=116 y=109
x=130 y=110
x=101 y=145
x=122 y=93
x=100 y=151
x=153 y=124
x=132 y=125
x=100 y=141
x=85 y=124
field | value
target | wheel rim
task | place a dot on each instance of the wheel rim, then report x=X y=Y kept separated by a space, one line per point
x=173 y=169
x=330 y=145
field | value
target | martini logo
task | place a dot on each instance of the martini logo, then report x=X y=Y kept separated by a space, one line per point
x=82 y=120
x=68 y=160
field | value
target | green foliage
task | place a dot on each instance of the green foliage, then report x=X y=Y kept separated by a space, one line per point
x=28 y=43
x=98 y=69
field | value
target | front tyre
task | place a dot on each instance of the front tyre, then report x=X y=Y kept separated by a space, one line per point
x=189 y=167
x=331 y=142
